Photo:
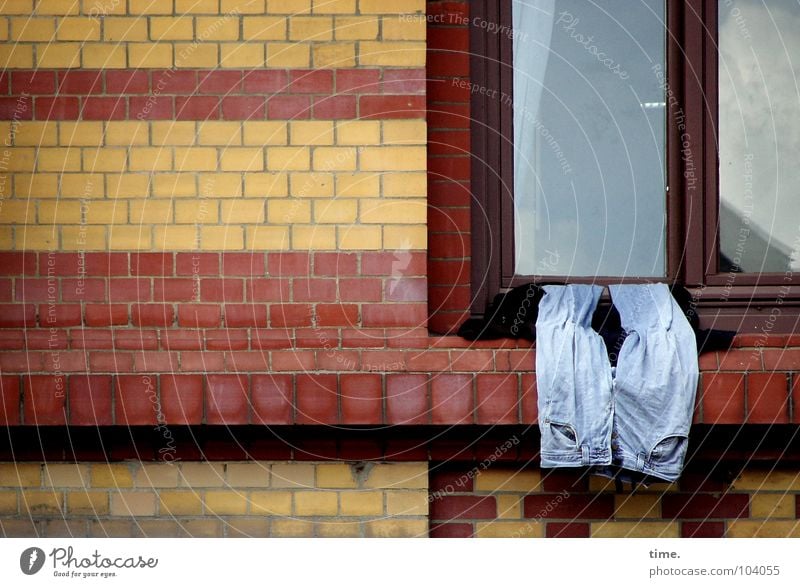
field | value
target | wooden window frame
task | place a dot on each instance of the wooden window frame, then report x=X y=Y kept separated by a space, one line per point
x=746 y=302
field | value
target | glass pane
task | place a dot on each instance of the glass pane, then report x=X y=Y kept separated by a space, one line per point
x=589 y=132
x=759 y=135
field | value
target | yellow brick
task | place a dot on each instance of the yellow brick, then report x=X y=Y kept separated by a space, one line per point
x=107 y=475
x=6 y=238
x=310 y=28
x=150 y=55
x=105 y=159
x=358 y=185
x=356 y=28
x=173 y=133
x=33 y=29
x=149 y=7
x=393 y=158
x=264 y=28
x=334 y=55
x=81 y=134
x=82 y=185
x=335 y=212
x=221 y=238
x=397 y=528
x=200 y=56
x=509 y=530
x=21 y=158
x=115 y=212
x=16 y=7
x=755 y=479
x=57 y=7
x=405 y=184
x=128 y=185
x=58 y=212
x=8 y=503
x=202 y=474
x=35 y=134
x=772 y=505
x=264 y=133
x=405 y=237
x=201 y=211
x=407 y=503
x=169 y=28
x=58 y=55
x=635 y=530
x=509 y=506
x=288 y=158
x=213 y=28
x=242 y=159
x=391 y=6
x=361 y=503
x=311 y=185
x=289 y=6
x=358 y=132
x=226 y=503
x=637 y=506
x=121 y=238
x=338 y=529
x=83 y=238
x=20 y=475
x=747 y=529
x=213 y=132
x=291 y=528
x=124 y=133
x=59 y=160
x=133 y=504
x=250 y=474
x=382 y=211
x=398 y=476
x=506 y=480
x=175 y=237
x=243 y=6
x=398 y=28
x=404 y=132
x=336 y=475
x=94 y=503
x=3 y=31
x=78 y=29
x=400 y=54
x=242 y=211
x=266 y=185
x=195 y=159
x=316 y=503
x=196 y=6
x=288 y=55
x=333 y=6
x=315 y=238
x=41 y=502
x=238 y=55
x=221 y=185
x=16 y=56
x=311 y=133
x=151 y=211
x=180 y=503
x=247 y=527
x=18 y=212
x=292 y=475
x=276 y=503
x=288 y=211
x=335 y=159
x=366 y=238
x=125 y=29
x=151 y=159
x=267 y=238
x=37 y=237
x=104 y=56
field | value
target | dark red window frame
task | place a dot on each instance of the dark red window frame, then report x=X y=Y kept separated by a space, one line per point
x=765 y=302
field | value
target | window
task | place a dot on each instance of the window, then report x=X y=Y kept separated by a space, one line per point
x=641 y=140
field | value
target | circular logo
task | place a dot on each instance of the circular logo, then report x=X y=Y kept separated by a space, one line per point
x=31 y=560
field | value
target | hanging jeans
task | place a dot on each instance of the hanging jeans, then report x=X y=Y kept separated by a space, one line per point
x=635 y=417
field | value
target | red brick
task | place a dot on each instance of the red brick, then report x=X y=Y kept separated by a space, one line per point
x=6 y=290
x=226 y=399
x=362 y=399
x=446 y=479
x=245 y=315
x=317 y=399
x=33 y=82
x=204 y=362
x=567 y=530
x=782 y=360
x=290 y=360
x=111 y=362
x=383 y=360
x=571 y=506
x=703 y=529
x=135 y=289
x=197 y=264
x=243 y=264
x=260 y=81
x=360 y=289
x=155 y=362
x=391 y=107
x=219 y=82
x=426 y=360
x=447 y=63
x=90 y=400
x=24 y=362
x=406 y=289
x=795 y=394
x=287 y=315
x=182 y=340
x=335 y=264
x=394 y=315
x=463 y=507
x=152 y=314
x=91 y=338
x=101 y=264
x=450 y=142
x=227 y=339
x=58 y=108
x=334 y=359
x=127 y=82
x=400 y=263
x=243 y=107
x=288 y=107
x=106 y=314
x=335 y=107
x=361 y=338
x=15 y=109
x=151 y=264
x=246 y=362
x=50 y=338
x=271 y=339
x=136 y=400
x=336 y=315
x=12 y=339
x=314 y=290
x=497 y=399
x=65 y=362
x=80 y=82
x=180 y=289
x=289 y=264
x=12 y=315
x=768 y=398
x=172 y=81
x=45 y=400
x=451 y=531
x=723 y=398
x=446 y=90
x=83 y=290
x=36 y=290
x=740 y=361
x=565 y=480
x=151 y=108
x=14 y=263
x=60 y=315
x=442 y=116
x=311 y=81
x=136 y=339
x=452 y=399
x=271 y=398
x=104 y=109
x=182 y=399
x=358 y=81
x=197 y=108
x=222 y=290
x=404 y=81
x=267 y=290
x=9 y=400
x=760 y=340
x=407 y=399
x=708 y=362
x=704 y=505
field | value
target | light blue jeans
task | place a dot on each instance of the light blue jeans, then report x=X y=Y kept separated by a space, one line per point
x=635 y=417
